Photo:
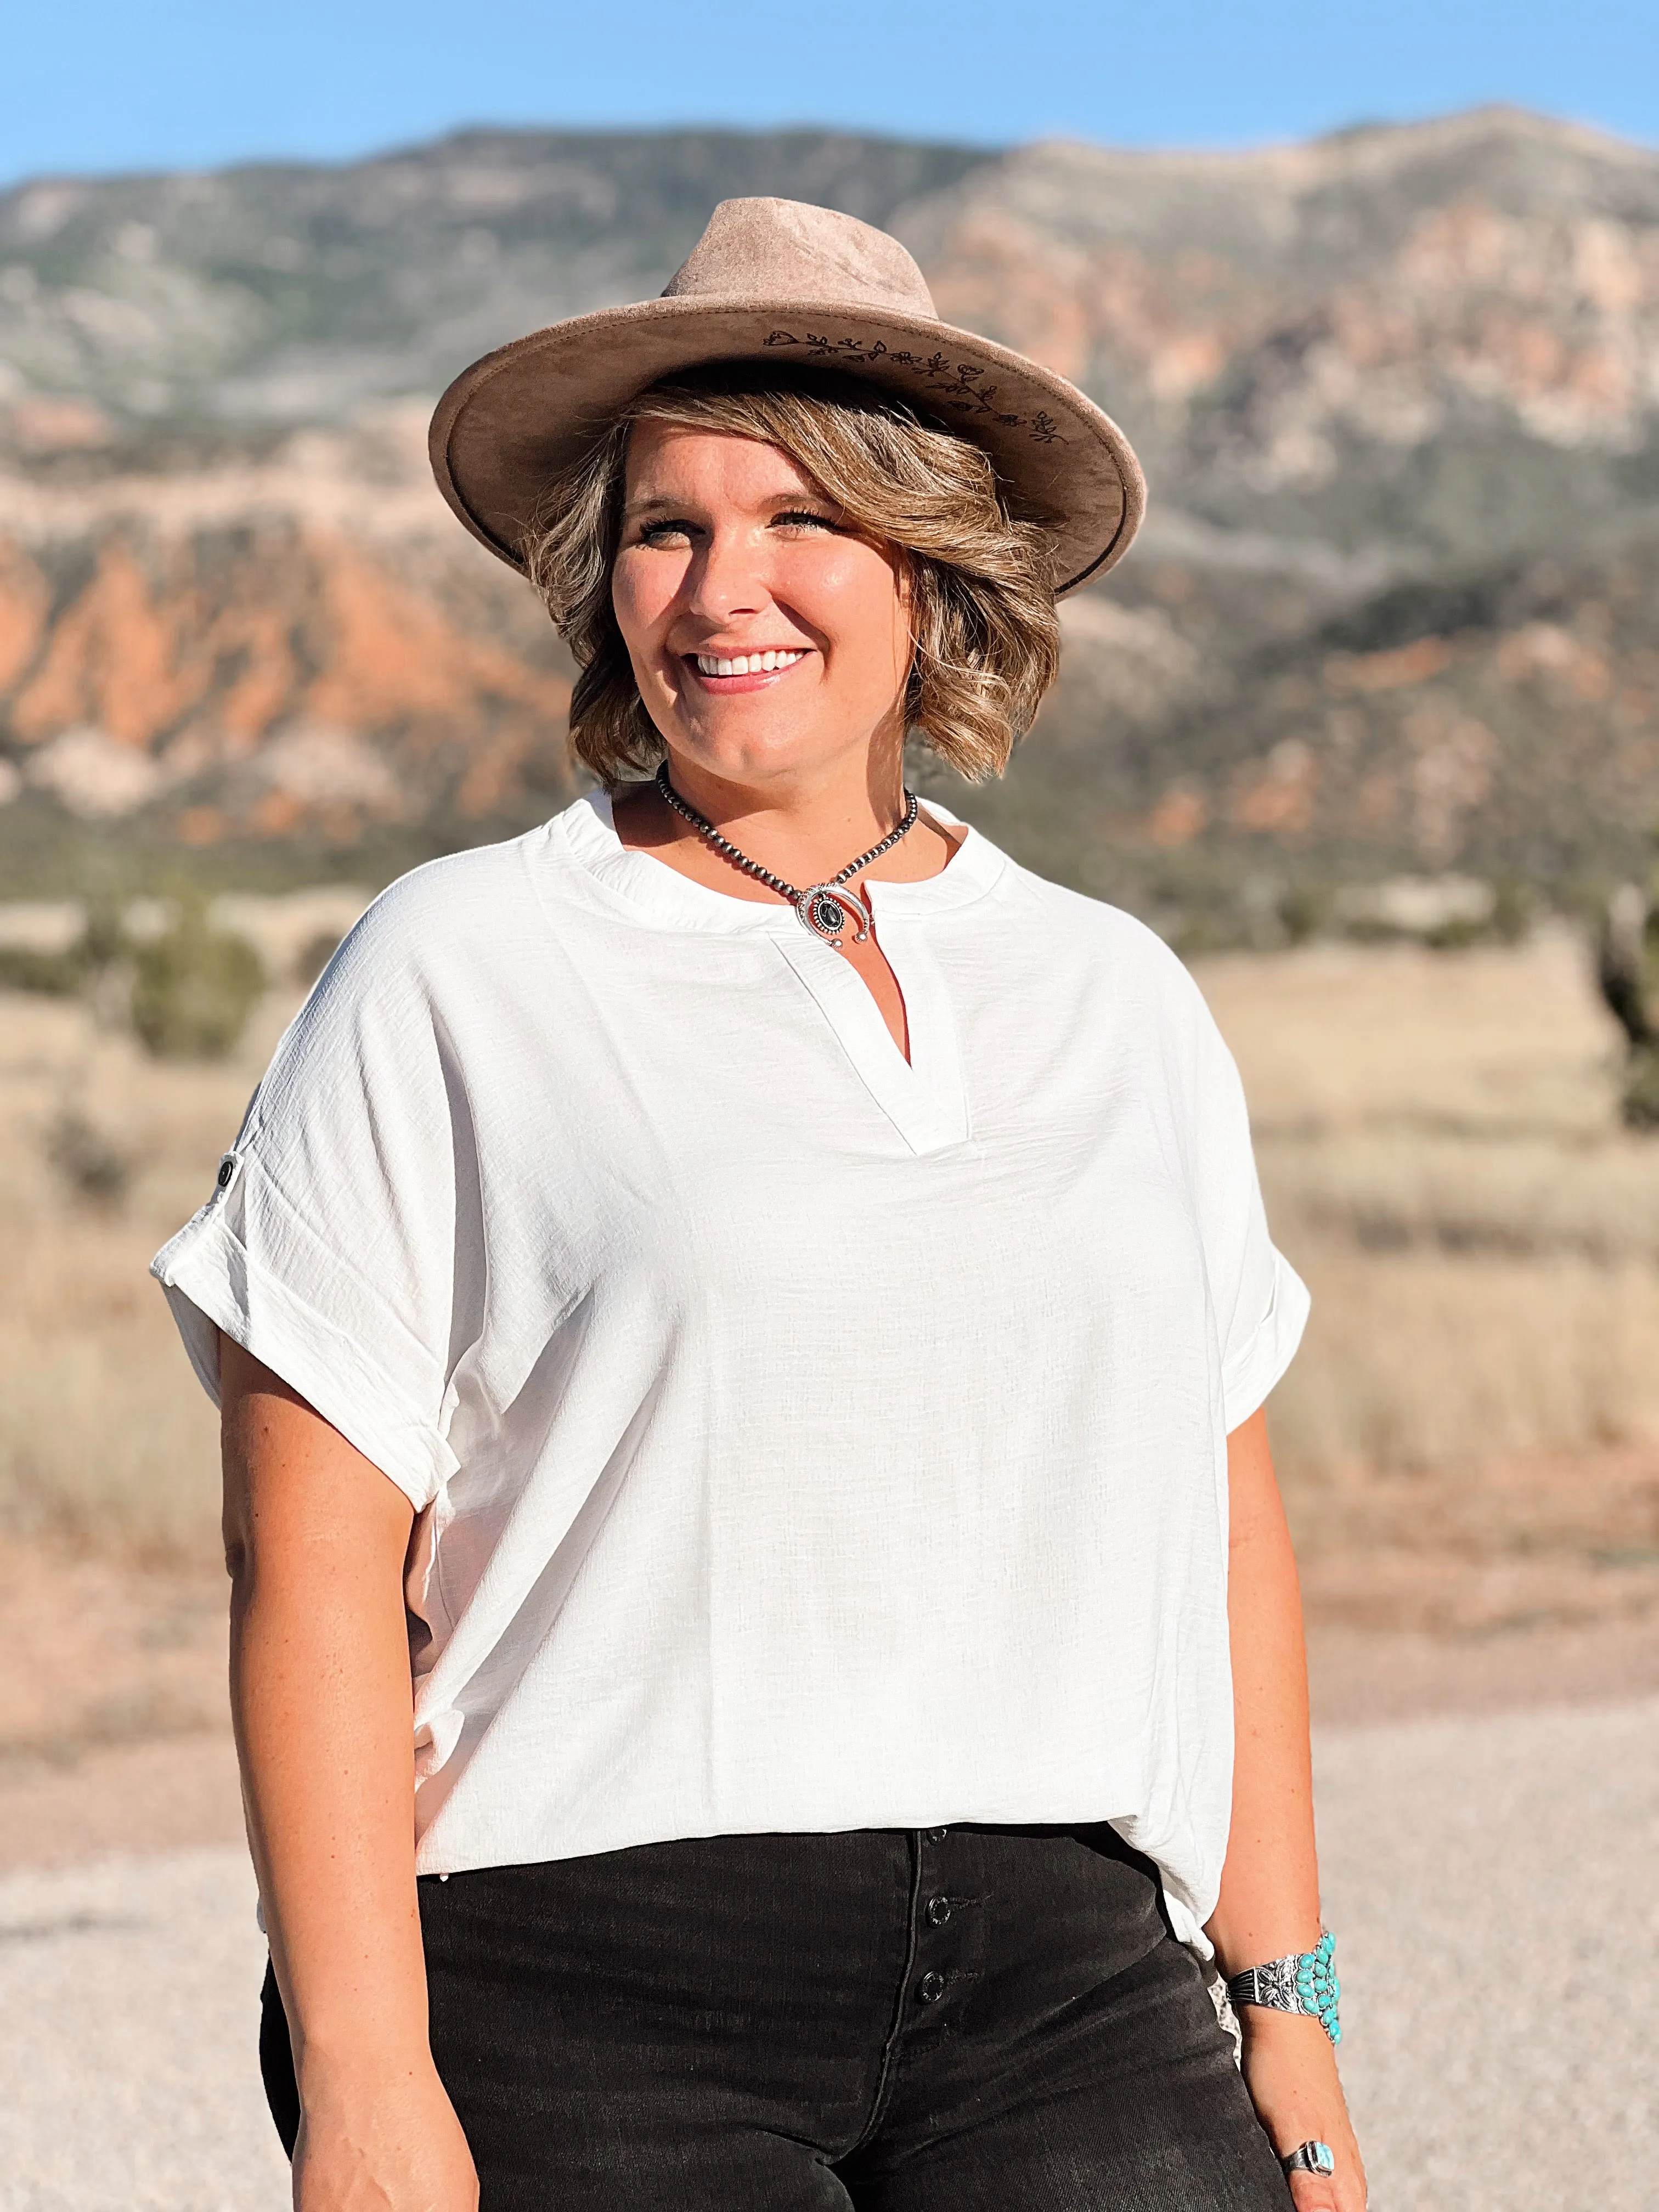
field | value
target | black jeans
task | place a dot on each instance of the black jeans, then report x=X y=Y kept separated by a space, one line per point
x=961 y=2019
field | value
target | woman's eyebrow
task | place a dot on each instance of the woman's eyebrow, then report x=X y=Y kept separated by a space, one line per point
x=659 y=503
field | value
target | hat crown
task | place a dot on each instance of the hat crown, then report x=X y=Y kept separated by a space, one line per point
x=789 y=250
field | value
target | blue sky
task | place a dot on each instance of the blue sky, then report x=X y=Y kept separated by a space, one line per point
x=92 y=85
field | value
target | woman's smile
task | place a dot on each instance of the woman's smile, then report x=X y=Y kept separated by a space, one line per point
x=724 y=673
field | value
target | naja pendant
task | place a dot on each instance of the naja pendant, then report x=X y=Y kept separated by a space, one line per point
x=826 y=909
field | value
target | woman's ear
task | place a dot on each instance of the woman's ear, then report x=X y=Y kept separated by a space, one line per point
x=904 y=577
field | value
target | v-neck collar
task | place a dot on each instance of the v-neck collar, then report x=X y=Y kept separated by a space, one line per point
x=924 y=1098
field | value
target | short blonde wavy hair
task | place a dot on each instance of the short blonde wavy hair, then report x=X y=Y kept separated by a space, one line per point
x=985 y=632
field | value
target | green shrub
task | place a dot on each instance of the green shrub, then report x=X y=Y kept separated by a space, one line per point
x=96 y=1170
x=193 y=989
x=1640 y=1102
x=57 y=975
x=102 y=944
x=1513 y=909
x=1457 y=934
x=1302 y=914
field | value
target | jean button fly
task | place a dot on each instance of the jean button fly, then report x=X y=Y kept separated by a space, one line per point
x=936 y=1835
x=939 y=1911
x=931 y=1988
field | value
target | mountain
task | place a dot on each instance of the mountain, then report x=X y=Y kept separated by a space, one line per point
x=298 y=295
x=1397 y=392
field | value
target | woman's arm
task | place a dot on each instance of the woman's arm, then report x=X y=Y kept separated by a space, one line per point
x=1269 y=1901
x=315 y=1539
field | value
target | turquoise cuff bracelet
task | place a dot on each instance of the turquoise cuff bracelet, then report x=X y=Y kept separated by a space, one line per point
x=1304 y=1981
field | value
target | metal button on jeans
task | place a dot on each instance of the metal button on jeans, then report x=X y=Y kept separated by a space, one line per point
x=939 y=1911
x=931 y=1988
x=936 y=1835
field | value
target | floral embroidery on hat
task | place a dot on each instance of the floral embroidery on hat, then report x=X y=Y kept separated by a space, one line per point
x=937 y=369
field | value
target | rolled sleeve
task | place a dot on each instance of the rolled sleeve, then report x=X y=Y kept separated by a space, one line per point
x=214 y=1287
x=1255 y=1361
x=328 y=1249
x=1258 y=1303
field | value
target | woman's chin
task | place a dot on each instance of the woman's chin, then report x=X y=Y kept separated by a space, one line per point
x=747 y=748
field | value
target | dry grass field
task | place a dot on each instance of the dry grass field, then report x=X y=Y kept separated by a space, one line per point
x=112 y=1600
x=1469 y=1440
x=105 y=1440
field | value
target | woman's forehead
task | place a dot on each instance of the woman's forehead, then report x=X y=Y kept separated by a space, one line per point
x=664 y=454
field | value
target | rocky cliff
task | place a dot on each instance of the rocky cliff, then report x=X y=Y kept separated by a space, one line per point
x=1398 y=392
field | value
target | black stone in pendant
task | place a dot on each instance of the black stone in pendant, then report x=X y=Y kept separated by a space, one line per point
x=827 y=911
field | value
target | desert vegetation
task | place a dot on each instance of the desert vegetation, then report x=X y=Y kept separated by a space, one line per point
x=1628 y=967
x=105 y=1440
x=183 y=985
x=130 y=1038
x=1470 y=1438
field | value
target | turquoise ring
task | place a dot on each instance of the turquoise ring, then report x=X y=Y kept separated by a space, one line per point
x=1310 y=2158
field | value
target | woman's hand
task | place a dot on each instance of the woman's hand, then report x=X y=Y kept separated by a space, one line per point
x=385 y=2141
x=1290 y=2071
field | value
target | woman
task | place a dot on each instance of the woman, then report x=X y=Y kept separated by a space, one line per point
x=760 y=1308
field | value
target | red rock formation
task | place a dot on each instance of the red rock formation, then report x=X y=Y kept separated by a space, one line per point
x=207 y=652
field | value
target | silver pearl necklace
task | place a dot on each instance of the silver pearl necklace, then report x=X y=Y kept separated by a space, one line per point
x=823 y=909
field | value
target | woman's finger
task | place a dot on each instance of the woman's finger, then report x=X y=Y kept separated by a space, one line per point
x=1314 y=2192
x=1336 y=2192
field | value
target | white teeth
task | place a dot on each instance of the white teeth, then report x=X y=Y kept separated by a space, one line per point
x=746 y=663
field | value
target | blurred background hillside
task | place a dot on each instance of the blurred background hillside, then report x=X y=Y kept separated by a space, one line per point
x=1397 y=391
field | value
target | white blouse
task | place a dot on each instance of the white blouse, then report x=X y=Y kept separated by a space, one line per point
x=801 y=1438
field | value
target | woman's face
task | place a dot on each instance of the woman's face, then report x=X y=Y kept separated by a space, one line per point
x=731 y=554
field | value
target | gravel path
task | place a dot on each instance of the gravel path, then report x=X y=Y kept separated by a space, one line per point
x=1494 y=1884
x=129 y=2021
x=1491 y=1880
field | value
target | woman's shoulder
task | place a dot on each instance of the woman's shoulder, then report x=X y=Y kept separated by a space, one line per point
x=451 y=915
x=429 y=964
x=1093 y=931
x=457 y=892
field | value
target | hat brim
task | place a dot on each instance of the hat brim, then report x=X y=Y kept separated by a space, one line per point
x=512 y=422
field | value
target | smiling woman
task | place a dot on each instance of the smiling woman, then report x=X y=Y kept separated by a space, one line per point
x=766 y=1651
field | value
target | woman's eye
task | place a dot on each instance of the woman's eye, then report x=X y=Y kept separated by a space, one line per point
x=673 y=530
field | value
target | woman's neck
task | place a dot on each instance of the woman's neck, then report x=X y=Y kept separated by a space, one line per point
x=802 y=829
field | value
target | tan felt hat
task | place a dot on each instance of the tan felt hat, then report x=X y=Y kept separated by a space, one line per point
x=782 y=281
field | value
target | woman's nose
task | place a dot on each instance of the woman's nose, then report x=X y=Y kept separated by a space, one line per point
x=729 y=578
